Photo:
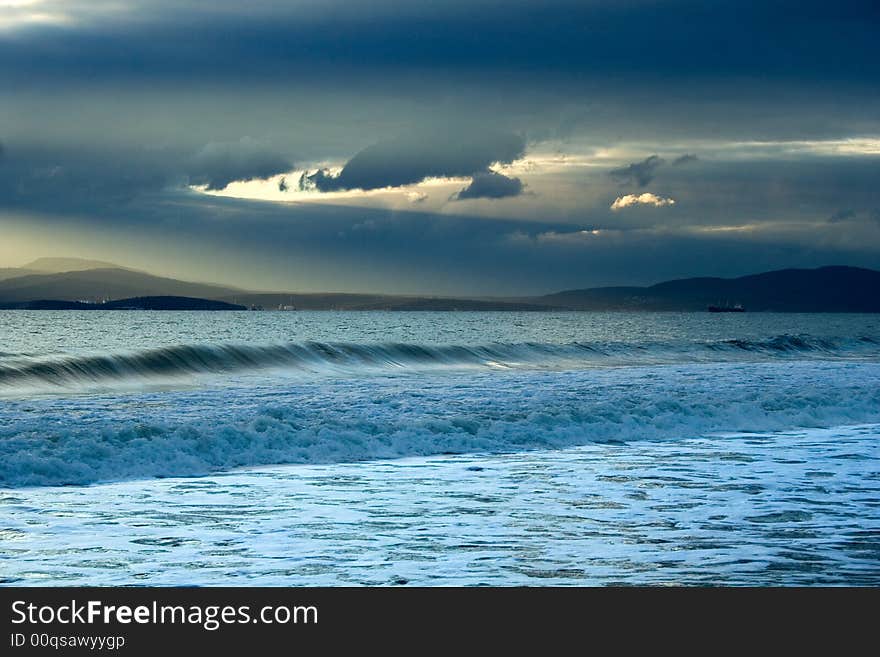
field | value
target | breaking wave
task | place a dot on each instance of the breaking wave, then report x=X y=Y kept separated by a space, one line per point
x=82 y=440
x=188 y=360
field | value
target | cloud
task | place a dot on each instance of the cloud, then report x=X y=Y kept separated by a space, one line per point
x=488 y=184
x=417 y=197
x=282 y=185
x=220 y=163
x=640 y=173
x=92 y=178
x=225 y=40
x=413 y=158
x=842 y=215
x=647 y=198
x=855 y=215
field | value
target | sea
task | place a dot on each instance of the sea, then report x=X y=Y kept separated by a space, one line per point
x=454 y=448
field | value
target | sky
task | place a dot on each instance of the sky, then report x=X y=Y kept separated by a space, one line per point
x=484 y=147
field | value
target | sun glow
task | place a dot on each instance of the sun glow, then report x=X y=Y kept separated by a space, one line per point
x=286 y=188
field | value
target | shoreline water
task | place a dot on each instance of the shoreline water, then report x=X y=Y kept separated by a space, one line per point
x=745 y=509
x=394 y=448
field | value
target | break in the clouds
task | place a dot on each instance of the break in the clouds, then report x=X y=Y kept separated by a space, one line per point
x=415 y=157
x=93 y=178
x=651 y=200
x=450 y=146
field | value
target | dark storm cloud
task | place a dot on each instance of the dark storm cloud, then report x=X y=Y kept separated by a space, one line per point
x=638 y=173
x=90 y=178
x=106 y=121
x=784 y=39
x=219 y=164
x=687 y=158
x=48 y=178
x=412 y=158
x=488 y=184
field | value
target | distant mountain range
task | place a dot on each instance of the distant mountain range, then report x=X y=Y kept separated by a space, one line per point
x=57 y=265
x=95 y=281
x=826 y=289
x=48 y=281
x=138 y=303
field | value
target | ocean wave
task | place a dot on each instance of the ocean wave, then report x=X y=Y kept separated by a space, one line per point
x=82 y=440
x=187 y=360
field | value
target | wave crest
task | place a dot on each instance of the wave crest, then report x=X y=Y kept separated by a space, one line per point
x=187 y=360
x=82 y=440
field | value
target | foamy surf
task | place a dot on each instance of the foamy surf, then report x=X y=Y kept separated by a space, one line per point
x=87 y=439
x=791 y=508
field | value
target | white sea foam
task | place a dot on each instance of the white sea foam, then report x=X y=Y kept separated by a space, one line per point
x=87 y=439
x=789 y=508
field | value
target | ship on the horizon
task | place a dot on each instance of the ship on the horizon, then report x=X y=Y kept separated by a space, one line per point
x=738 y=308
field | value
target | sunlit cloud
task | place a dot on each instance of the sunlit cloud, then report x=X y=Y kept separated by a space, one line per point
x=574 y=236
x=285 y=188
x=23 y=13
x=20 y=14
x=543 y=162
x=744 y=228
x=850 y=147
x=692 y=150
x=647 y=198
